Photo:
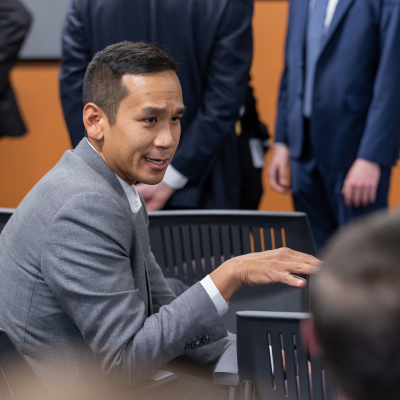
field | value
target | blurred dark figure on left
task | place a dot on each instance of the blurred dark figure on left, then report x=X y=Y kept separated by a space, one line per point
x=14 y=25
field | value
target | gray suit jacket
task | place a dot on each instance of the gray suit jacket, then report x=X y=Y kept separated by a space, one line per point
x=80 y=290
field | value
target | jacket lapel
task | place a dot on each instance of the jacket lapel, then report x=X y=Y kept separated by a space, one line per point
x=140 y=219
x=300 y=16
x=140 y=275
x=340 y=12
x=91 y=158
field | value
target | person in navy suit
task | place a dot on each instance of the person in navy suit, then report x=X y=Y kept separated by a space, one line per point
x=338 y=122
x=212 y=42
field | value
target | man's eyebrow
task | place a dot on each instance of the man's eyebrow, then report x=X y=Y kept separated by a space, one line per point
x=157 y=110
x=181 y=110
x=154 y=110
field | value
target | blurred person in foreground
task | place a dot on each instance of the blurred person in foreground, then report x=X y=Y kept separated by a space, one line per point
x=212 y=43
x=355 y=301
x=81 y=293
x=338 y=123
x=14 y=25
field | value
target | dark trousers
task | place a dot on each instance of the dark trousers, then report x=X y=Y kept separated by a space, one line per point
x=317 y=191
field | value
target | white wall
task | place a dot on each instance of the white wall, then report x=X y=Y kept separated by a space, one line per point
x=44 y=39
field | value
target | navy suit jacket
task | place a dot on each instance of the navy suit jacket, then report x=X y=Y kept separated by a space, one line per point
x=356 y=102
x=212 y=42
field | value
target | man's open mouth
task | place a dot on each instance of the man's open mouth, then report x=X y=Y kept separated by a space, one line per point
x=155 y=161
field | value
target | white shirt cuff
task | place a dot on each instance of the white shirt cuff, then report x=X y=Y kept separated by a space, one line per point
x=280 y=144
x=219 y=302
x=174 y=178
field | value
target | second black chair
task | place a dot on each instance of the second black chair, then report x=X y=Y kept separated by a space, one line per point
x=273 y=362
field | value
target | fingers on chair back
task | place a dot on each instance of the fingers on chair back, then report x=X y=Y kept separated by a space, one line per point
x=188 y=245
x=274 y=362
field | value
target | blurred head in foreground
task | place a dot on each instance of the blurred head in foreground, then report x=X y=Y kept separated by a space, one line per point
x=356 y=305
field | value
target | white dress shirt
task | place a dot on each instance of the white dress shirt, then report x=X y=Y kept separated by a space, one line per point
x=330 y=10
x=174 y=179
x=134 y=201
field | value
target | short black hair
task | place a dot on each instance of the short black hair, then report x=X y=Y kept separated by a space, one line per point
x=102 y=84
x=355 y=300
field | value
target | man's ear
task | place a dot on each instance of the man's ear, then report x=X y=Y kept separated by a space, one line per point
x=309 y=337
x=94 y=120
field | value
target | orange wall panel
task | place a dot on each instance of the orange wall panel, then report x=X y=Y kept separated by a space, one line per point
x=24 y=160
x=269 y=30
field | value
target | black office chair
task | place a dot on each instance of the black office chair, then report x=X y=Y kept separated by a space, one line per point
x=188 y=245
x=273 y=362
x=5 y=214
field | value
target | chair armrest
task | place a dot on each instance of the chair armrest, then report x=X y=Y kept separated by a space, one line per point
x=158 y=381
x=226 y=371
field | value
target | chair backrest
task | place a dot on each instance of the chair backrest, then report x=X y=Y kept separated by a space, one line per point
x=188 y=245
x=17 y=379
x=274 y=364
x=5 y=215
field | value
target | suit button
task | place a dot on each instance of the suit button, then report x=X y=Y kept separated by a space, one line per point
x=206 y=339
x=188 y=347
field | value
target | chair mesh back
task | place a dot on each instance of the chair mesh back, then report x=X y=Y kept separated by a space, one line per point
x=272 y=356
x=188 y=245
x=5 y=215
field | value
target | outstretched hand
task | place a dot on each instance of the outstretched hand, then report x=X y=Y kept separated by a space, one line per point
x=263 y=268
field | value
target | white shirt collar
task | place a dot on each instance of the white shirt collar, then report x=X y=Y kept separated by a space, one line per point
x=130 y=191
x=330 y=11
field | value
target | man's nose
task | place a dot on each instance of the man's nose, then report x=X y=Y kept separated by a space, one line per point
x=165 y=138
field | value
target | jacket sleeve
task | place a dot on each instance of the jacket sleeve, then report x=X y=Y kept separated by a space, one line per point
x=381 y=138
x=281 y=119
x=76 y=56
x=85 y=262
x=225 y=86
x=14 y=25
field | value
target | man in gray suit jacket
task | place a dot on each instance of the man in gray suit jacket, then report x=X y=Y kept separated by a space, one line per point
x=81 y=294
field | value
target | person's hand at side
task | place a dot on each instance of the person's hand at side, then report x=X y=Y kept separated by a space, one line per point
x=277 y=171
x=263 y=268
x=155 y=196
x=361 y=183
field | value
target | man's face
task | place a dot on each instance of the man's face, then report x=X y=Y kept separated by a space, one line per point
x=142 y=142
